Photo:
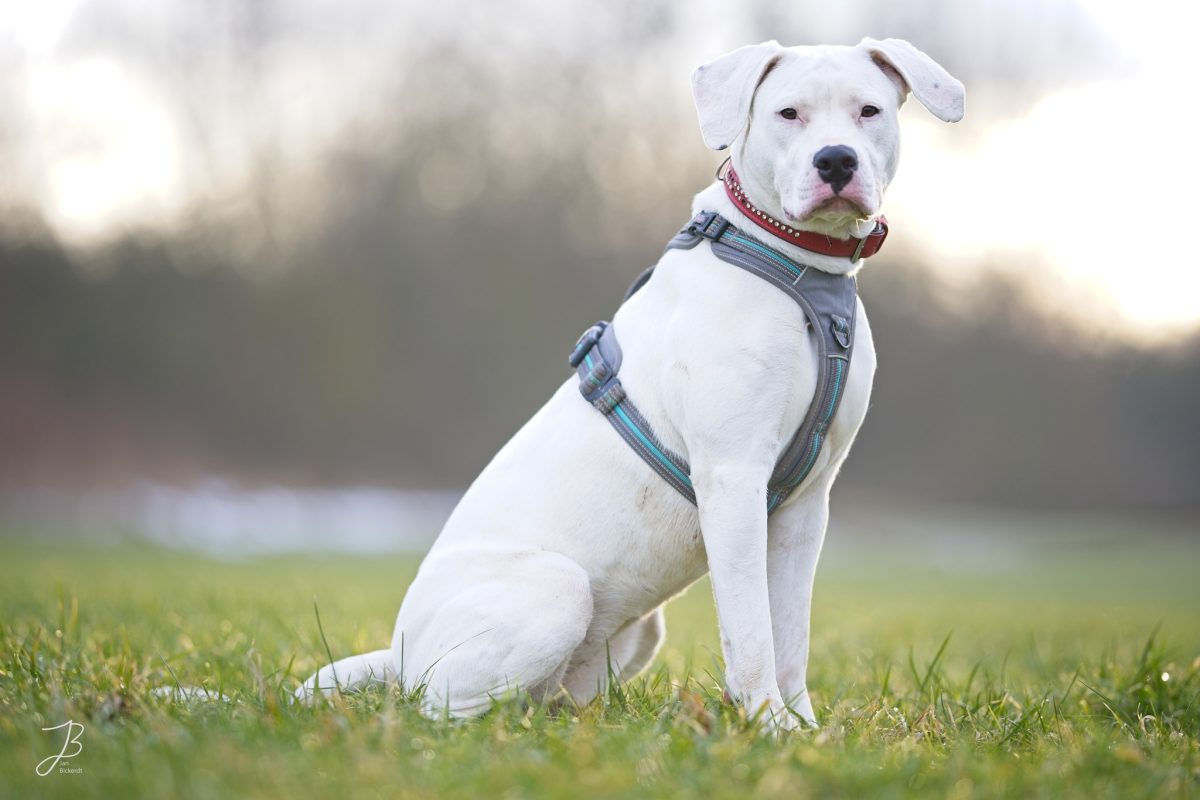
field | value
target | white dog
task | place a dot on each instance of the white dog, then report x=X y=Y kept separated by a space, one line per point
x=552 y=572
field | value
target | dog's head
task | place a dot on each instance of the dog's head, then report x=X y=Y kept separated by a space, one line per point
x=813 y=130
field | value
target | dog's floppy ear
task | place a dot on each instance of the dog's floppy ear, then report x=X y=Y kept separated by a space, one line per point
x=938 y=90
x=723 y=90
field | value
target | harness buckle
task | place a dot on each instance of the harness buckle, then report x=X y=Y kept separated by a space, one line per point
x=708 y=224
x=598 y=381
x=585 y=344
x=596 y=378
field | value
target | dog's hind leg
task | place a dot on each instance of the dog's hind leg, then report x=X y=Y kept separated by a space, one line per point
x=351 y=673
x=483 y=626
x=622 y=656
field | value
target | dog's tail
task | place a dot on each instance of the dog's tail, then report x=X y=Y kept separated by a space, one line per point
x=351 y=673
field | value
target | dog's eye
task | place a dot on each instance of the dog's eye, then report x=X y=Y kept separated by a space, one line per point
x=869 y=111
x=788 y=113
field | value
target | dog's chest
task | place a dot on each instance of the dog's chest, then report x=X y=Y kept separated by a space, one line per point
x=717 y=357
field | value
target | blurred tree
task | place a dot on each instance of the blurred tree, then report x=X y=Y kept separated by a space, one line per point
x=389 y=209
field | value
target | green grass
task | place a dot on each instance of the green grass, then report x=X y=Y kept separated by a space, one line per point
x=1039 y=676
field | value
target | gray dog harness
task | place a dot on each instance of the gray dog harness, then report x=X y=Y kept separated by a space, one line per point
x=828 y=302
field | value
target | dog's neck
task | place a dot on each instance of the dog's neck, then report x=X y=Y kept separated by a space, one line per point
x=716 y=198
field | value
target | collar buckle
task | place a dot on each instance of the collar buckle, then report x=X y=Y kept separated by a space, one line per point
x=858 y=250
x=880 y=230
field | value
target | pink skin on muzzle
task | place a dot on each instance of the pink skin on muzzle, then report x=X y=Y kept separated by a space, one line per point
x=820 y=201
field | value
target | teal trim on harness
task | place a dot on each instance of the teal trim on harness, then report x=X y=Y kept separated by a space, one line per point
x=828 y=302
x=771 y=254
x=662 y=458
x=819 y=434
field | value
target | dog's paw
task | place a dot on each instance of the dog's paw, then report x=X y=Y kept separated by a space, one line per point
x=773 y=715
x=778 y=720
x=801 y=707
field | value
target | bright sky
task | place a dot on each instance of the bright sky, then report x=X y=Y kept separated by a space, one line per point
x=104 y=154
x=1091 y=193
x=1098 y=183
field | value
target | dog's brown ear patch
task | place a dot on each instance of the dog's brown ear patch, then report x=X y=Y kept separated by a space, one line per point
x=936 y=89
x=894 y=76
x=724 y=91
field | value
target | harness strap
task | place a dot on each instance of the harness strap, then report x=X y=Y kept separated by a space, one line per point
x=597 y=359
x=828 y=303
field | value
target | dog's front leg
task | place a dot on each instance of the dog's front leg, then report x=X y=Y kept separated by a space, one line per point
x=797 y=533
x=733 y=521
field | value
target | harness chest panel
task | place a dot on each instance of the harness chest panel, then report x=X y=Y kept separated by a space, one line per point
x=828 y=302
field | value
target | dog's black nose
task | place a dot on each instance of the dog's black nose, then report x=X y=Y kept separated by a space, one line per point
x=836 y=165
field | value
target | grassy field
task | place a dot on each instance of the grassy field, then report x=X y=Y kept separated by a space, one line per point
x=1069 y=671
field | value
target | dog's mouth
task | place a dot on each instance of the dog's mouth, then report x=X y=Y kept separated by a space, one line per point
x=835 y=208
x=840 y=205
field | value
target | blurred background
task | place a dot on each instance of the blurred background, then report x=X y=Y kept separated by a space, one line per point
x=258 y=261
